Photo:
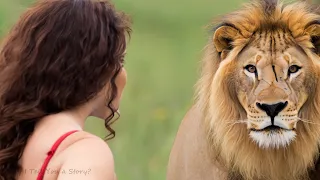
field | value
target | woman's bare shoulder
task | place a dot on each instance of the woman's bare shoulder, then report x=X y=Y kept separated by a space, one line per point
x=87 y=158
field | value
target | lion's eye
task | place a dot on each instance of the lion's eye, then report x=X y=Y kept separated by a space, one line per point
x=293 y=69
x=251 y=68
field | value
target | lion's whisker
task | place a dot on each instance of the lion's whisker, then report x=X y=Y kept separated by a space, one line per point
x=307 y=121
x=238 y=121
x=234 y=123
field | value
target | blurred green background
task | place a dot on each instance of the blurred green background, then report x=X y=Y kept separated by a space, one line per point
x=162 y=63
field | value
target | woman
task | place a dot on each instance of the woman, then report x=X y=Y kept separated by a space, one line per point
x=62 y=62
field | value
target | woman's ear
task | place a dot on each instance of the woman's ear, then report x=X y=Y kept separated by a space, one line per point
x=223 y=39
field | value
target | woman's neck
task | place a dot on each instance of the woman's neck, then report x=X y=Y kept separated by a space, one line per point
x=71 y=119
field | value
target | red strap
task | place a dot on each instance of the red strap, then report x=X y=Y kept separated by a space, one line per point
x=51 y=153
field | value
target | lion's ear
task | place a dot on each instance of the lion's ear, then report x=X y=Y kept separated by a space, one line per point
x=223 y=38
x=314 y=32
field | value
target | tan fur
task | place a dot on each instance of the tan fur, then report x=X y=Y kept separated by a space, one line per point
x=224 y=96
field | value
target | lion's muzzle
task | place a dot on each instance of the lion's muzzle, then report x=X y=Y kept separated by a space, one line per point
x=276 y=128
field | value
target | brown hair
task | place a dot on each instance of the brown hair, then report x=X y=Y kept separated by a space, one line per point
x=59 y=55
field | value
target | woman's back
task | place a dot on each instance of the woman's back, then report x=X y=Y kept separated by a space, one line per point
x=65 y=137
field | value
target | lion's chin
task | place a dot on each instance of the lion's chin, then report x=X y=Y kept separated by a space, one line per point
x=271 y=139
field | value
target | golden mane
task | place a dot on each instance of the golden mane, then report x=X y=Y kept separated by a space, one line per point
x=217 y=98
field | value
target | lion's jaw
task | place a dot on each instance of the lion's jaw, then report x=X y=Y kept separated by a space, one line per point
x=273 y=139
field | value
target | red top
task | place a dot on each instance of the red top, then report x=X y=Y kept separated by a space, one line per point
x=51 y=153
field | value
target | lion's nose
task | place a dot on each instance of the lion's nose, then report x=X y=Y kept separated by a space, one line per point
x=272 y=110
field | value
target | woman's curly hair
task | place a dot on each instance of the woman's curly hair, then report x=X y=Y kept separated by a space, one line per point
x=59 y=55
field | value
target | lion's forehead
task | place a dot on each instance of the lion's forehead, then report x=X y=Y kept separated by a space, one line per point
x=272 y=48
x=276 y=47
x=273 y=42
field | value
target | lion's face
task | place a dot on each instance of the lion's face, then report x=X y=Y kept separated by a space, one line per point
x=274 y=77
x=273 y=81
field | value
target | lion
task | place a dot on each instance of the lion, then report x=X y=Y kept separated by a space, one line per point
x=256 y=114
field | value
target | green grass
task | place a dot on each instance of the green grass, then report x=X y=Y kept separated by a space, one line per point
x=162 y=64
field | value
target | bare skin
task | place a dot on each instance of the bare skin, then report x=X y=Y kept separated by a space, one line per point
x=81 y=155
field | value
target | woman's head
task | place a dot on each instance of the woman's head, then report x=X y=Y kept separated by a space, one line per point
x=60 y=55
